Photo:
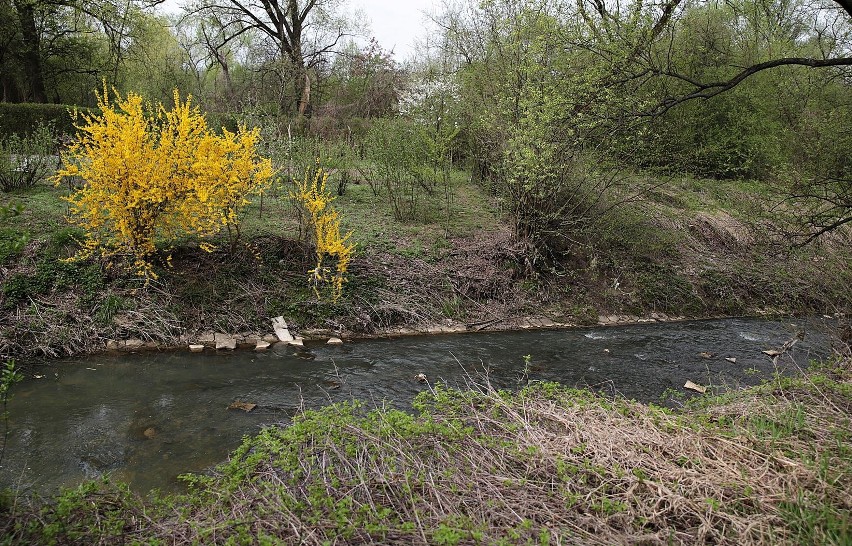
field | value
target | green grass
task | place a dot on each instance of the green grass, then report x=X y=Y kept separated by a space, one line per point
x=43 y=209
x=673 y=252
x=372 y=222
x=369 y=217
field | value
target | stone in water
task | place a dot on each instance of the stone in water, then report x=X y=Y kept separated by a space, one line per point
x=245 y=406
x=279 y=325
x=224 y=341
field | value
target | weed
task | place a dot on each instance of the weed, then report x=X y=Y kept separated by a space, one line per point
x=109 y=308
x=52 y=274
x=814 y=522
x=12 y=241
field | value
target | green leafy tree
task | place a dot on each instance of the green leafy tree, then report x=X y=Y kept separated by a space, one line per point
x=713 y=89
x=58 y=50
x=546 y=117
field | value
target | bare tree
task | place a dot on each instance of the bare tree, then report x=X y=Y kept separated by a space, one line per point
x=303 y=32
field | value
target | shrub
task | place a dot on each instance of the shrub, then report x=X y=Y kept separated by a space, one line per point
x=151 y=173
x=399 y=150
x=26 y=160
x=333 y=252
x=301 y=153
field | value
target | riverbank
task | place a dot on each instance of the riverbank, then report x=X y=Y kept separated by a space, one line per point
x=545 y=465
x=695 y=250
x=218 y=341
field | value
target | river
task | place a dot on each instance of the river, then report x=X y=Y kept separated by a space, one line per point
x=146 y=418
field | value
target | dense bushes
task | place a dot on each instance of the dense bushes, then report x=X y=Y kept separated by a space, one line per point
x=399 y=152
x=23 y=118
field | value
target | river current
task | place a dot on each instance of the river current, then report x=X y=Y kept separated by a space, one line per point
x=146 y=418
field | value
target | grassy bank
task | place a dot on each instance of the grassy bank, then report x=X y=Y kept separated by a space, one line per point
x=689 y=248
x=546 y=465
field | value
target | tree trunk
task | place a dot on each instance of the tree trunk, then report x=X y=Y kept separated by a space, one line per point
x=301 y=80
x=305 y=101
x=226 y=74
x=31 y=53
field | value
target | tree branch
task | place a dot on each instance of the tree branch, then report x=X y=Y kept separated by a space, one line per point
x=708 y=90
x=825 y=229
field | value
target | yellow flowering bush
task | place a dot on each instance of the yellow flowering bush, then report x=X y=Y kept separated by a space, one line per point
x=152 y=174
x=333 y=250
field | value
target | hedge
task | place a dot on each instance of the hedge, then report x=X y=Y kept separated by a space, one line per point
x=22 y=118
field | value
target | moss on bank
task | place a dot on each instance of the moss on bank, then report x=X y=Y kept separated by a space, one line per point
x=546 y=465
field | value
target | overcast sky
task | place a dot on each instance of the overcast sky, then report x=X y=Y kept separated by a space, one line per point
x=396 y=24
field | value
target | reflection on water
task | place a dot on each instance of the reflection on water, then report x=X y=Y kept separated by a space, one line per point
x=145 y=418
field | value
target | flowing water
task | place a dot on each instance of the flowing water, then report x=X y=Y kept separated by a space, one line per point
x=145 y=418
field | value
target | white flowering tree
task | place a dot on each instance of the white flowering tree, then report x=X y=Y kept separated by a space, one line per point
x=432 y=100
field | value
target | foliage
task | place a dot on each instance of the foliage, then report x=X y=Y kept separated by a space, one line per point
x=155 y=175
x=153 y=63
x=433 y=102
x=73 y=521
x=58 y=50
x=549 y=83
x=26 y=160
x=297 y=38
x=50 y=274
x=548 y=122
x=364 y=83
x=399 y=150
x=661 y=289
x=302 y=153
x=333 y=250
x=24 y=118
x=816 y=187
x=53 y=273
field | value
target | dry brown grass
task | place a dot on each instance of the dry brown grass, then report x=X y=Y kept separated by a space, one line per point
x=547 y=465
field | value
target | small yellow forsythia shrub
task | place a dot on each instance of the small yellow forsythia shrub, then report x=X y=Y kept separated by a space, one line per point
x=153 y=174
x=333 y=251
